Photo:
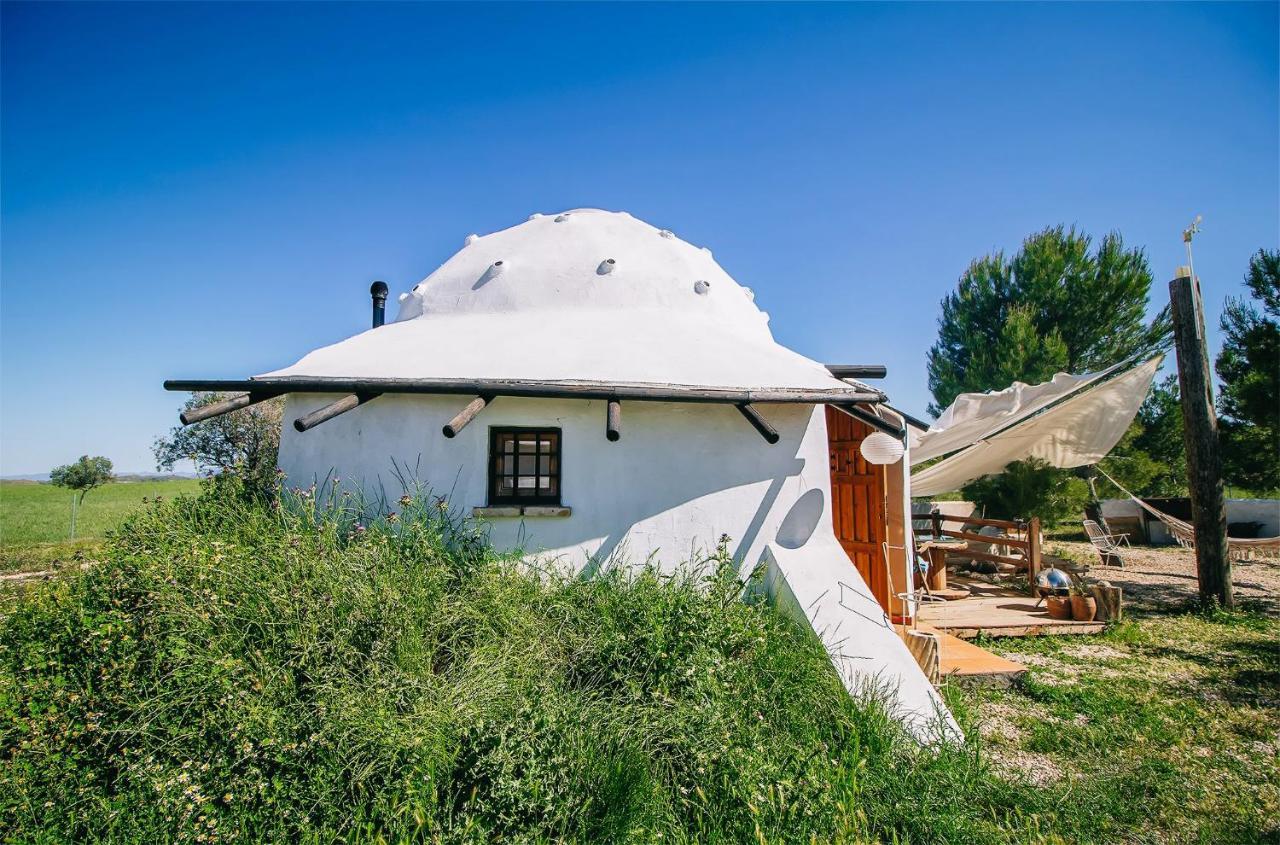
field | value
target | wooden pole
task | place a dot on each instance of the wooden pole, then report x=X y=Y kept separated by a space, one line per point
x=1200 y=437
x=466 y=415
x=1033 y=552
x=613 y=421
x=226 y=406
x=758 y=422
x=333 y=409
x=529 y=388
x=870 y=419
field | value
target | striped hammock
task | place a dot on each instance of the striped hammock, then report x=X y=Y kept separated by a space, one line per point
x=1262 y=548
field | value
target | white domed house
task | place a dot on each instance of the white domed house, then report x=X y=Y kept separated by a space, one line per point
x=602 y=393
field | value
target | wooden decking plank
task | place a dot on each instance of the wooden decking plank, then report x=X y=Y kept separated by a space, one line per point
x=962 y=660
x=999 y=616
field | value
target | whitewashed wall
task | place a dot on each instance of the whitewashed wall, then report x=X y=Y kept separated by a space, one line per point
x=1264 y=511
x=682 y=474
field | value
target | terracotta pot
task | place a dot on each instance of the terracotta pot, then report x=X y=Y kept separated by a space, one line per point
x=1084 y=608
x=1059 y=607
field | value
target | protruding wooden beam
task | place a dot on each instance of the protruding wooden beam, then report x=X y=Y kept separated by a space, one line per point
x=217 y=409
x=333 y=409
x=857 y=370
x=613 y=421
x=758 y=422
x=914 y=422
x=466 y=415
x=872 y=420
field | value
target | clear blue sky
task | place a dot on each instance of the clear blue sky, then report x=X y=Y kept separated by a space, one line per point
x=207 y=190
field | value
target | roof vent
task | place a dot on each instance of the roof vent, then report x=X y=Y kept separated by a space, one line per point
x=606 y=267
x=666 y=233
x=470 y=239
x=702 y=287
x=491 y=272
x=534 y=216
x=560 y=218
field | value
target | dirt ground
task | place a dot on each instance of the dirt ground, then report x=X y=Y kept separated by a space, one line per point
x=1163 y=578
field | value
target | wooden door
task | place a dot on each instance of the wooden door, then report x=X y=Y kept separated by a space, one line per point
x=857 y=501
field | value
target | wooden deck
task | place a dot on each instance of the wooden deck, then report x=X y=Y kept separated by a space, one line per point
x=997 y=613
x=963 y=661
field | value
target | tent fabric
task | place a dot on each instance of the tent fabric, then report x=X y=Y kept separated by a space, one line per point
x=1068 y=422
x=973 y=416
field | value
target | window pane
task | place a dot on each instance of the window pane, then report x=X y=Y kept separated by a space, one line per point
x=525 y=466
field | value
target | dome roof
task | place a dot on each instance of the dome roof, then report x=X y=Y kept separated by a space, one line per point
x=584 y=295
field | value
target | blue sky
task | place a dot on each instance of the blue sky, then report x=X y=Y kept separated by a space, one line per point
x=207 y=190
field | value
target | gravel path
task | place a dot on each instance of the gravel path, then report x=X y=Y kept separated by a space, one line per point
x=1161 y=578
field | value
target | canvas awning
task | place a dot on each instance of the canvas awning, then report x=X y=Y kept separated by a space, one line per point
x=1069 y=421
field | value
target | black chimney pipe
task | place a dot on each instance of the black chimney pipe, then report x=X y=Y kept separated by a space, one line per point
x=378 y=290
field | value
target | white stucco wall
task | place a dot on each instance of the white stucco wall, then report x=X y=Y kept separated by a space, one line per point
x=1264 y=511
x=682 y=475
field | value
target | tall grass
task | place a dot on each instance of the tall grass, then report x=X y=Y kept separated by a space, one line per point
x=239 y=672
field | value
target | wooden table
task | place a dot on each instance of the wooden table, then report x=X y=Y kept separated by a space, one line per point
x=937 y=553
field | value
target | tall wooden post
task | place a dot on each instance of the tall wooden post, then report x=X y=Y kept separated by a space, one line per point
x=1200 y=437
x=1033 y=553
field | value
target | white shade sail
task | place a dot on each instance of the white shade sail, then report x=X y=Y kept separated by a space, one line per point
x=1069 y=421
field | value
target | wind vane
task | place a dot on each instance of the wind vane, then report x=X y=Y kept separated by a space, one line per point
x=1187 y=234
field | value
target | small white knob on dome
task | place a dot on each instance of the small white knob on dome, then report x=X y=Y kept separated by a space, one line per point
x=707 y=250
x=666 y=233
x=606 y=267
x=403 y=297
x=535 y=215
x=702 y=287
x=470 y=239
x=560 y=218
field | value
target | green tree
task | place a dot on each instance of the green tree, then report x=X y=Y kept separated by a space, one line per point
x=1029 y=488
x=81 y=477
x=1150 y=459
x=246 y=441
x=1249 y=367
x=1056 y=306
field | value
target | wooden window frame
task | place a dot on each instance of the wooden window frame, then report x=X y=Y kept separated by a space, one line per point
x=497 y=499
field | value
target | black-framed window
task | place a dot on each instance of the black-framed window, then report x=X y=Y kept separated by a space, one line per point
x=524 y=466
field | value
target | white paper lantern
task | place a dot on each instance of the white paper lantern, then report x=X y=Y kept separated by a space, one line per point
x=880 y=448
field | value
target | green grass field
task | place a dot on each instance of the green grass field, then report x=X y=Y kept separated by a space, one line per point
x=41 y=513
x=401 y=683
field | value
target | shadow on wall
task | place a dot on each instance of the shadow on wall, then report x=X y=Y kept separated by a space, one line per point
x=682 y=473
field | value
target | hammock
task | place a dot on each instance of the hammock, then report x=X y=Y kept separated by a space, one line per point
x=1262 y=548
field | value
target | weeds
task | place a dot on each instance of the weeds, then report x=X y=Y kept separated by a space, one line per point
x=240 y=671
x=315 y=670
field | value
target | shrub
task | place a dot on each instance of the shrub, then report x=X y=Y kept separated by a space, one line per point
x=237 y=671
x=1030 y=488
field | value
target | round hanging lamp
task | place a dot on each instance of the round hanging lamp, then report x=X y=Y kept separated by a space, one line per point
x=880 y=448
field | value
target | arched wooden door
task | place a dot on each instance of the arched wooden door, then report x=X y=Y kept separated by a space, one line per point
x=857 y=501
